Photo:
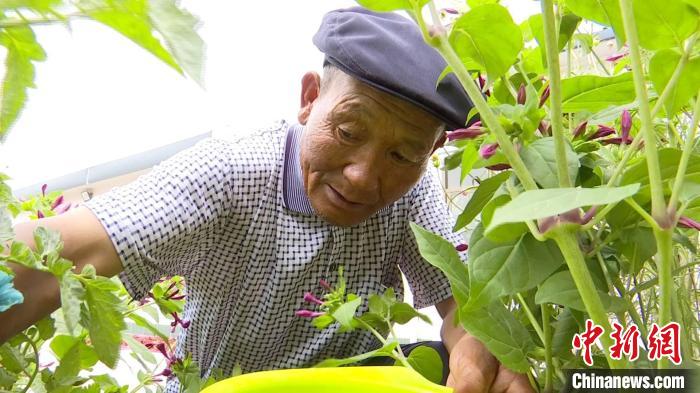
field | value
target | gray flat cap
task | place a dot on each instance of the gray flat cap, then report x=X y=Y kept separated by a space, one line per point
x=387 y=51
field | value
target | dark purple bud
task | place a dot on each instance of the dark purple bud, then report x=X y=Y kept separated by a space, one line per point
x=625 y=124
x=488 y=150
x=462 y=247
x=580 y=129
x=545 y=128
x=178 y=297
x=589 y=215
x=498 y=167
x=450 y=11
x=687 y=222
x=602 y=132
x=522 y=95
x=161 y=348
x=465 y=133
x=40 y=214
x=185 y=324
x=482 y=82
x=310 y=298
x=616 y=57
x=308 y=313
x=616 y=141
x=43 y=189
x=544 y=96
x=57 y=202
x=324 y=284
x=166 y=373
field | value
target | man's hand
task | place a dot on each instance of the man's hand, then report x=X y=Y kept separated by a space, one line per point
x=474 y=370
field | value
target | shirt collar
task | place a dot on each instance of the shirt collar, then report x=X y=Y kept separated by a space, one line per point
x=294 y=194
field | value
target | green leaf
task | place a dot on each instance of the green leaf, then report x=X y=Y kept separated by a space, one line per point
x=346 y=313
x=487 y=35
x=61 y=345
x=638 y=245
x=47 y=241
x=46 y=327
x=139 y=349
x=7 y=233
x=479 y=199
x=390 y=5
x=585 y=40
x=402 y=313
x=22 y=51
x=662 y=25
x=531 y=205
x=105 y=319
x=22 y=254
x=661 y=67
x=565 y=328
x=442 y=254
x=383 y=351
x=377 y=305
x=376 y=321
x=693 y=3
x=427 y=362
x=144 y=323
x=469 y=157
x=504 y=336
x=477 y=3
x=7 y=379
x=131 y=19
x=594 y=93
x=11 y=359
x=604 y=12
x=41 y=6
x=72 y=296
x=177 y=27
x=567 y=27
x=561 y=289
x=540 y=160
x=496 y=270
x=502 y=233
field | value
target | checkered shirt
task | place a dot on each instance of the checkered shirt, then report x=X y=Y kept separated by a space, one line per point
x=233 y=219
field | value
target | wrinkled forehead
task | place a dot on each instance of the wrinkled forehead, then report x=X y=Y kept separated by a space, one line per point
x=353 y=100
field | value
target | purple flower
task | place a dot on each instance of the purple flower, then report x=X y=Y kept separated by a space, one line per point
x=482 y=82
x=473 y=131
x=184 y=323
x=615 y=141
x=488 y=150
x=615 y=57
x=602 y=132
x=57 y=202
x=308 y=313
x=62 y=208
x=687 y=222
x=580 y=129
x=545 y=128
x=310 y=298
x=43 y=189
x=40 y=214
x=544 y=96
x=451 y=11
x=324 y=284
x=625 y=124
x=462 y=247
x=498 y=167
x=588 y=216
x=522 y=95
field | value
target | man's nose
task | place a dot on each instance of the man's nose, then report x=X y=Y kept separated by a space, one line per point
x=364 y=176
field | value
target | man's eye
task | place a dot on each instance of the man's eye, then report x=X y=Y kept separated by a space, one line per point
x=401 y=158
x=345 y=134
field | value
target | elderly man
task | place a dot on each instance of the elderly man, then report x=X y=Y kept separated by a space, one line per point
x=253 y=224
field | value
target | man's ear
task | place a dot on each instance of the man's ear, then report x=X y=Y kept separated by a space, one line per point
x=310 y=90
x=440 y=141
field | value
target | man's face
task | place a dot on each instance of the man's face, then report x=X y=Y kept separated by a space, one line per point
x=362 y=149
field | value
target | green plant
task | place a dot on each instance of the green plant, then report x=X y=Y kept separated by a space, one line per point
x=89 y=327
x=590 y=210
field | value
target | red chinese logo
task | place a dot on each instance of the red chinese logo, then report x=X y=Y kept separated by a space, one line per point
x=584 y=340
x=665 y=342
x=627 y=343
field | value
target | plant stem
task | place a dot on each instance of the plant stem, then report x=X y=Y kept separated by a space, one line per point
x=664 y=266
x=675 y=76
x=568 y=244
x=599 y=216
x=600 y=62
x=685 y=157
x=488 y=117
x=638 y=288
x=552 y=46
x=36 y=363
x=649 y=219
x=549 y=368
x=530 y=317
x=658 y=205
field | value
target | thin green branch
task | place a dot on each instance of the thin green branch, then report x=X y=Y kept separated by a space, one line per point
x=552 y=47
x=685 y=158
x=599 y=216
x=648 y=218
x=531 y=317
x=36 y=363
x=658 y=205
x=547 y=330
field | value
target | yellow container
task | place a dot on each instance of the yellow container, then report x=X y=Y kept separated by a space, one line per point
x=375 y=379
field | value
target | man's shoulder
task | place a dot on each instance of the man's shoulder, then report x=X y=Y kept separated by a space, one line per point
x=260 y=149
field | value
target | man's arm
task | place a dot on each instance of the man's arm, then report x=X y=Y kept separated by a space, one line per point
x=472 y=367
x=84 y=242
